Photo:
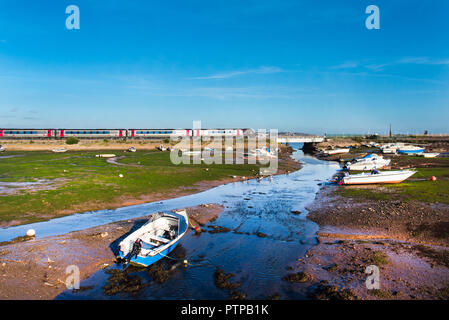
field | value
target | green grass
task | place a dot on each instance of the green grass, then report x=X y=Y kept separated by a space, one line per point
x=84 y=182
x=421 y=190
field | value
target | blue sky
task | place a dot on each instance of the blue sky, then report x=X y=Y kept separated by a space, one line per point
x=308 y=66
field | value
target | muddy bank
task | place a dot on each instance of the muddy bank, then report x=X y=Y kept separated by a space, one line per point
x=36 y=269
x=408 y=241
x=426 y=223
x=406 y=270
x=286 y=163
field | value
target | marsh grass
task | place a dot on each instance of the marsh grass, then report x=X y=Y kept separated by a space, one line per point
x=85 y=182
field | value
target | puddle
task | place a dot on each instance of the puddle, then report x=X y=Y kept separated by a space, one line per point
x=8 y=188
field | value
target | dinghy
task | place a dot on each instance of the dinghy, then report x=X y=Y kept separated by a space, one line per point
x=59 y=150
x=369 y=162
x=430 y=154
x=377 y=177
x=155 y=239
x=105 y=155
x=336 y=151
x=411 y=150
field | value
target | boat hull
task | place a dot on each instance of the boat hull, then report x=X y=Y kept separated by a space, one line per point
x=336 y=151
x=149 y=260
x=410 y=151
x=382 y=178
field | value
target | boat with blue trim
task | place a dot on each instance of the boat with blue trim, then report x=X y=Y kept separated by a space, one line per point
x=411 y=150
x=155 y=239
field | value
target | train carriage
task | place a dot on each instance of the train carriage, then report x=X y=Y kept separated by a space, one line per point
x=91 y=133
x=219 y=132
x=157 y=133
x=26 y=133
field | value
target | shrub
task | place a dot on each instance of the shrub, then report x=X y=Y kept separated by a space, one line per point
x=71 y=140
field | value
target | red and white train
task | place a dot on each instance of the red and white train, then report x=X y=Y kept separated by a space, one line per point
x=119 y=133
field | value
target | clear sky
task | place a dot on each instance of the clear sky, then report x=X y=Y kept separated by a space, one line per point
x=308 y=66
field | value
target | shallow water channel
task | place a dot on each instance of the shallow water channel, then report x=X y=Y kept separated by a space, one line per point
x=258 y=263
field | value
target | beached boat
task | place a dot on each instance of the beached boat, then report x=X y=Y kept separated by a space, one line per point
x=369 y=162
x=410 y=150
x=429 y=154
x=261 y=153
x=336 y=151
x=131 y=149
x=2 y=148
x=155 y=239
x=59 y=150
x=391 y=147
x=191 y=153
x=377 y=177
x=105 y=155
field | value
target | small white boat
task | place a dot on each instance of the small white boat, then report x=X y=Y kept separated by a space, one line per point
x=391 y=147
x=2 y=148
x=336 y=151
x=410 y=150
x=261 y=153
x=105 y=155
x=429 y=154
x=162 y=148
x=59 y=150
x=191 y=153
x=155 y=239
x=369 y=162
x=131 y=149
x=377 y=177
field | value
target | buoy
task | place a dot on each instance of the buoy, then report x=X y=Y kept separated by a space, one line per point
x=31 y=233
x=433 y=178
x=197 y=229
x=186 y=263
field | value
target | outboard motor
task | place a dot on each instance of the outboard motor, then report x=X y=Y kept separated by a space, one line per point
x=137 y=246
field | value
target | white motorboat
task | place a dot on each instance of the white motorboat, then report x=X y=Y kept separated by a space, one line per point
x=336 y=151
x=369 y=162
x=377 y=177
x=429 y=154
x=131 y=149
x=2 y=148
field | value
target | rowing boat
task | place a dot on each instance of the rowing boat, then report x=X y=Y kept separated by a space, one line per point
x=155 y=239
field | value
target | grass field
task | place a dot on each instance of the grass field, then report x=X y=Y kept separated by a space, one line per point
x=81 y=182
